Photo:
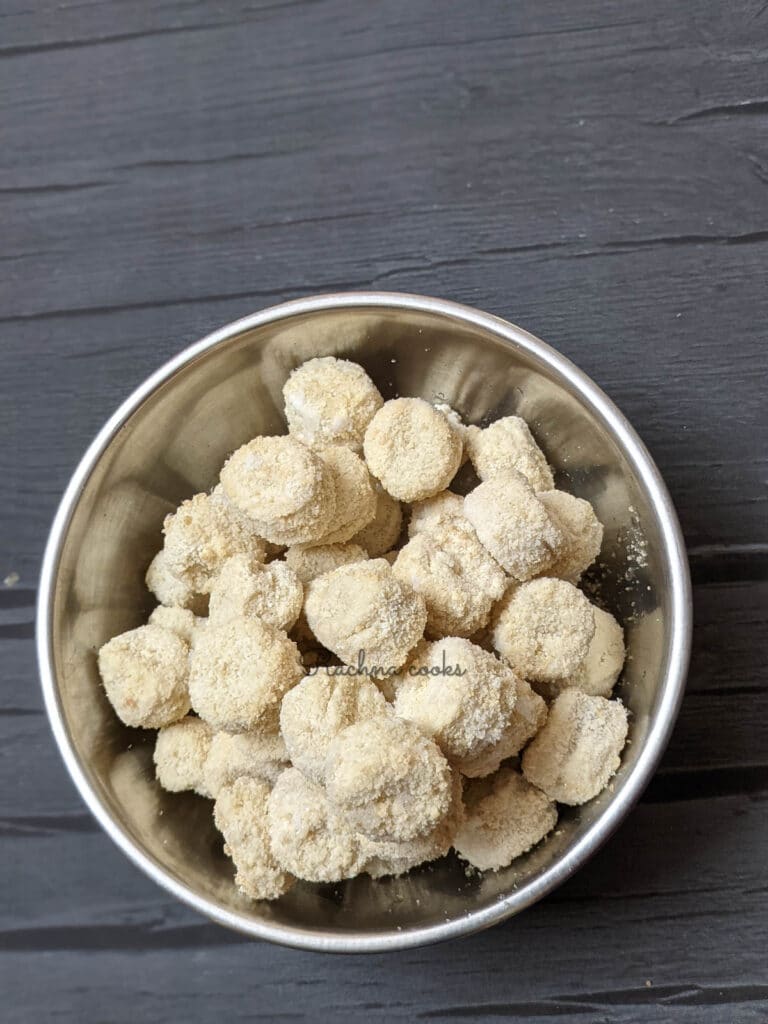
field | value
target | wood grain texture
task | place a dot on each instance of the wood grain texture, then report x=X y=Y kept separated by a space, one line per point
x=596 y=172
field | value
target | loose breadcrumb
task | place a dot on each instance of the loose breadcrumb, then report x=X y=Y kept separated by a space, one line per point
x=240 y=813
x=459 y=695
x=203 y=533
x=582 y=534
x=504 y=817
x=435 y=511
x=577 y=751
x=355 y=494
x=145 y=674
x=528 y=716
x=505 y=445
x=239 y=673
x=598 y=673
x=330 y=401
x=315 y=711
x=246 y=589
x=286 y=489
x=311 y=561
x=365 y=607
x=412 y=449
x=383 y=531
x=513 y=525
x=180 y=753
x=544 y=629
x=308 y=837
x=231 y=755
x=458 y=579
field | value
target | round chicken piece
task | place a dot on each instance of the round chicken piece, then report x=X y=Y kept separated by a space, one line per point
x=508 y=444
x=180 y=621
x=389 y=781
x=245 y=589
x=513 y=525
x=145 y=672
x=528 y=716
x=355 y=494
x=180 y=753
x=203 y=533
x=582 y=534
x=544 y=629
x=577 y=751
x=231 y=755
x=240 y=813
x=239 y=673
x=505 y=816
x=170 y=590
x=455 y=575
x=330 y=401
x=435 y=511
x=383 y=531
x=412 y=449
x=459 y=695
x=315 y=711
x=309 y=838
x=309 y=561
x=286 y=489
x=598 y=673
x=384 y=859
x=364 y=607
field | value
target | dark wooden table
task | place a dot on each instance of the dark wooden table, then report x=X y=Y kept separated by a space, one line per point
x=595 y=171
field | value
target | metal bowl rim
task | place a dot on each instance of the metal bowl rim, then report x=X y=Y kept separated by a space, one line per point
x=672 y=685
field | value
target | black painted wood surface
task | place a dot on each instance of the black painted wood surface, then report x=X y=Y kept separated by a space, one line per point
x=595 y=171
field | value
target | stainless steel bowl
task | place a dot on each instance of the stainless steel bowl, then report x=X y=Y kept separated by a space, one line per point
x=169 y=439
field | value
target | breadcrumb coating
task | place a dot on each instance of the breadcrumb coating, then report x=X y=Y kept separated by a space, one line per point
x=239 y=673
x=384 y=859
x=169 y=589
x=355 y=494
x=383 y=531
x=180 y=753
x=458 y=579
x=330 y=401
x=257 y=755
x=435 y=511
x=505 y=816
x=309 y=838
x=180 y=621
x=513 y=525
x=544 y=629
x=145 y=672
x=315 y=711
x=245 y=589
x=286 y=489
x=240 y=813
x=412 y=449
x=505 y=445
x=365 y=607
x=598 y=673
x=390 y=782
x=528 y=716
x=582 y=534
x=309 y=561
x=577 y=751
x=203 y=533
x=457 y=424
x=464 y=714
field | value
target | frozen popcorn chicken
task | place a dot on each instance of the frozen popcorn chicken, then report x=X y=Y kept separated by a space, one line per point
x=435 y=511
x=145 y=673
x=309 y=561
x=246 y=589
x=330 y=401
x=258 y=755
x=508 y=444
x=383 y=531
x=528 y=716
x=180 y=753
x=598 y=672
x=582 y=534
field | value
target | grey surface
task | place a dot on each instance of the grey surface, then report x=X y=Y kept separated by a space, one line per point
x=596 y=172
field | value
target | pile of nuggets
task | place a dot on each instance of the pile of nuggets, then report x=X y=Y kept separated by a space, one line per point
x=357 y=696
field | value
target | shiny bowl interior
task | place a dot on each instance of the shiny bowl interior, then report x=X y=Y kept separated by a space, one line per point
x=169 y=440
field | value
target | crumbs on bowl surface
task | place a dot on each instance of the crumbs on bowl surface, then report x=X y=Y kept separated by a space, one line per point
x=356 y=697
